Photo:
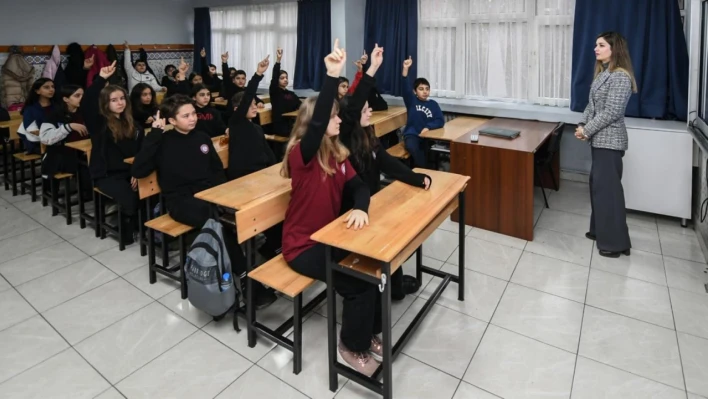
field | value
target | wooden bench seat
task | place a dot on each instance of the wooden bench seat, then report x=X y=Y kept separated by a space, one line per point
x=61 y=176
x=398 y=151
x=277 y=274
x=277 y=139
x=26 y=157
x=166 y=225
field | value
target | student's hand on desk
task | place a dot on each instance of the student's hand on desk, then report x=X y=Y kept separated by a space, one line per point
x=134 y=183
x=79 y=128
x=107 y=72
x=260 y=105
x=158 y=123
x=263 y=65
x=425 y=130
x=88 y=63
x=357 y=219
x=335 y=60
x=427 y=182
x=218 y=99
x=225 y=57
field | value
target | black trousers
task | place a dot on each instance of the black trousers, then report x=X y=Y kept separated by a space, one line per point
x=118 y=187
x=195 y=212
x=608 y=221
x=361 y=313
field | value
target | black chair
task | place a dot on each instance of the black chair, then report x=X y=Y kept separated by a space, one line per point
x=544 y=158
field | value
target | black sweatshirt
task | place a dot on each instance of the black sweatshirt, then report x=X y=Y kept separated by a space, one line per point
x=141 y=115
x=283 y=101
x=107 y=155
x=186 y=163
x=230 y=89
x=248 y=149
x=356 y=189
x=370 y=168
x=212 y=82
x=209 y=121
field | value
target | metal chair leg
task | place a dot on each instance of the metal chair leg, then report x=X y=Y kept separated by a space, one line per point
x=297 y=334
x=182 y=271
x=33 y=179
x=67 y=200
x=540 y=182
x=553 y=177
x=55 y=194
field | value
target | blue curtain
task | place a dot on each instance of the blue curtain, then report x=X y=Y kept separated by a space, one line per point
x=202 y=36
x=313 y=42
x=657 y=45
x=393 y=24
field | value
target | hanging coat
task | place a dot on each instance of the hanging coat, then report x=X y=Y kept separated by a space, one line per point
x=53 y=64
x=119 y=78
x=74 y=70
x=100 y=60
x=16 y=78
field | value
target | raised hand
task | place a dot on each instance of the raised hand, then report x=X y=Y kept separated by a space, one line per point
x=203 y=52
x=408 y=63
x=126 y=45
x=158 y=123
x=377 y=56
x=364 y=58
x=107 y=72
x=183 y=66
x=225 y=57
x=335 y=60
x=359 y=65
x=279 y=54
x=88 y=62
x=263 y=65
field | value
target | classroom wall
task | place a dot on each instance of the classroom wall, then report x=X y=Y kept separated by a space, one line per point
x=98 y=21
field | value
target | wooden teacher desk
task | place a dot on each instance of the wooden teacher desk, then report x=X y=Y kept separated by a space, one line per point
x=401 y=218
x=454 y=129
x=500 y=191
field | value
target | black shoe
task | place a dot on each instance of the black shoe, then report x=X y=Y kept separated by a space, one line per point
x=609 y=254
x=410 y=284
x=590 y=236
x=264 y=296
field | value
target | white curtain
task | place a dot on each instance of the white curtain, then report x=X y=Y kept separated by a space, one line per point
x=251 y=32
x=505 y=50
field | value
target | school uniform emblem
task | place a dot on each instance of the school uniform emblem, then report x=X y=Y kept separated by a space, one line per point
x=204 y=148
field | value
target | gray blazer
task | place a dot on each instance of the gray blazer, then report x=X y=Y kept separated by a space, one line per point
x=603 y=119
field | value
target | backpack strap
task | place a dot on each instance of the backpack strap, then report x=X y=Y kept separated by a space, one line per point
x=222 y=248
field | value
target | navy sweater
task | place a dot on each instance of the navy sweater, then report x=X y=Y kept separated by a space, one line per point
x=421 y=114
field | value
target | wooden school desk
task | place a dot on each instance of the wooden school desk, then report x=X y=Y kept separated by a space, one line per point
x=401 y=218
x=237 y=193
x=454 y=129
x=500 y=191
x=383 y=122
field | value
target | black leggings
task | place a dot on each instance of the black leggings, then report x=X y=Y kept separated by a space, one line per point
x=118 y=187
x=361 y=313
x=195 y=212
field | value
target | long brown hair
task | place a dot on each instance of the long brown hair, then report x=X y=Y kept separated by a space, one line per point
x=620 y=59
x=330 y=146
x=363 y=140
x=122 y=127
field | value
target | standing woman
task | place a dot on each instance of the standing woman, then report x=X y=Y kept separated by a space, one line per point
x=603 y=126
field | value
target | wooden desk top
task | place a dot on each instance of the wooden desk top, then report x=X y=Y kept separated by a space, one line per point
x=81 y=145
x=237 y=193
x=397 y=214
x=391 y=112
x=455 y=128
x=533 y=134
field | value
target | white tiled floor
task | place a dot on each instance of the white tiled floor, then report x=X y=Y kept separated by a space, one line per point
x=546 y=319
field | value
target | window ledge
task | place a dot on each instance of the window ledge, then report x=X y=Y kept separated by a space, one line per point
x=528 y=111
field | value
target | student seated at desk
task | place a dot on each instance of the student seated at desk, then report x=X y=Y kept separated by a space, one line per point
x=234 y=85
x=65 y=125
x=370 y=159
x=208 y=119
x=376 y=102
x=169 y=79
x=144 y=104
x=320 y=171
x=282 y=99
x=137 y=72
x=423 y=114
x=209 y=76
x=249 y=151
x=114 y=137
x=187 y=163
x=342 y=88
x=38 y=107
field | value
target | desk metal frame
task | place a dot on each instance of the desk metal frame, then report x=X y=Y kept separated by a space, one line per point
x=391 y=351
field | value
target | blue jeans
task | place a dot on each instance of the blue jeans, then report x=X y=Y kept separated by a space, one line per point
x=414 y=146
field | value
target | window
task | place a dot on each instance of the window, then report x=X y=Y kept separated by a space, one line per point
x=251 y=32
x=505 y=50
